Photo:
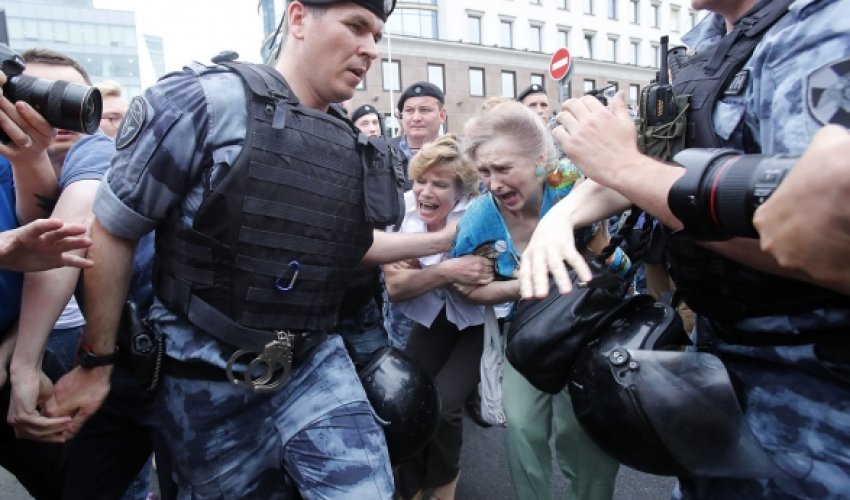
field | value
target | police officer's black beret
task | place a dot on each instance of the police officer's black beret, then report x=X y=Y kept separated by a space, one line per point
x=364 y=110
x=381 y=8
x=421 y=89
x=534 y=88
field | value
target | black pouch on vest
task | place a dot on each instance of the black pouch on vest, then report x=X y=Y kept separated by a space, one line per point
x=142 y=346
x=383 y=182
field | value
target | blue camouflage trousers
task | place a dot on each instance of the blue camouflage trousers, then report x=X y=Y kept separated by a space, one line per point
x=318 y=433
x=796 y=402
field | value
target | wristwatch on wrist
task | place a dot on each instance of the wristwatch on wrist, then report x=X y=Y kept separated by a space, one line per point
x=87 y=358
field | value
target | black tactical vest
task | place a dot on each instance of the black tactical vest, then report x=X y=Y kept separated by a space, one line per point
x=274 y=243
x=710 y=283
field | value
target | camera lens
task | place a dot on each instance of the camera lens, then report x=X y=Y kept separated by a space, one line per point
x=63 y=104
x=737 y=185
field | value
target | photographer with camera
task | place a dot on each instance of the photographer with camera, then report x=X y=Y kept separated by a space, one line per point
x=110 y=450
x=766 y=76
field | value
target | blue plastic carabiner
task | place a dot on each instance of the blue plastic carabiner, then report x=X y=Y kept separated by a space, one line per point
x=296 y=266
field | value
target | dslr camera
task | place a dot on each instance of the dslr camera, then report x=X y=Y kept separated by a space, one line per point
x=63 y=104
x=721 y=190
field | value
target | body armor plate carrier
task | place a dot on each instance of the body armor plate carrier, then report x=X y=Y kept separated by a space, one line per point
x=710 y=283
x=274 y=243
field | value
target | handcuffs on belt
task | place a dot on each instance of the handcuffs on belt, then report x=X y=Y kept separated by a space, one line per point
x=276 y=358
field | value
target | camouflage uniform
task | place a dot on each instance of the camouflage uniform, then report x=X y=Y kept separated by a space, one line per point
x=318 y=431
x=796 y=398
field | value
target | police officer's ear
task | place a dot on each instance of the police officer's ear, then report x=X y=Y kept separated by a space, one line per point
x=443 y=114
x=296 y=14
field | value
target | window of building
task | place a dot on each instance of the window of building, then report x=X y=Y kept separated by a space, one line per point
x=563 y=4
x=634 y=93
x=656 y=54
x=535 y=38
x=419 y=21
x=506 y=33
x=656 y=14
x=437 y=75
x=391 y=71
x=634 y=52
x=675 y=23
x=613 y=87
x=694 y=18
x=612 y=9
x=588 y=85
x=588 y=44
x=474 y=26
x=612 y=48
x=509 y=84
x=537 y=79
x=535 y=2
x=635 y=11
x=563 y=36
x=589 y=7
x=476 y=82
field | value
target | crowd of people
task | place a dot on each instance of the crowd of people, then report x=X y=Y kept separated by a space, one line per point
x=236 y=209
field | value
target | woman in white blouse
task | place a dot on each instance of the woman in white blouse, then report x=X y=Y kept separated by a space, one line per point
x=447 y=339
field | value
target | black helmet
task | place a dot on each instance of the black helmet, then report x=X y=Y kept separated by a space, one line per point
x=657 y=407
x=405 y=396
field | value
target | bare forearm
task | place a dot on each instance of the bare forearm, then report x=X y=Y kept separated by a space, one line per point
x=406 y=284
x=36 y=188
x=105 y=287
x=646 y=183
x=497 y=292
x=44 y=296
x=392 y=247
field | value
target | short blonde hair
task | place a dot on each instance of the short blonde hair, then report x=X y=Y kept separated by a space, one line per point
x=493 y=101
x=516 y=122
x=445 y=152
x=110 y=88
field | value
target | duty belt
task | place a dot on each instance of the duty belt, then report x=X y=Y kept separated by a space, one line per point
x=263 y=371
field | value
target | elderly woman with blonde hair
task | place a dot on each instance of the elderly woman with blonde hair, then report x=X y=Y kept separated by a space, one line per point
x=447 y=339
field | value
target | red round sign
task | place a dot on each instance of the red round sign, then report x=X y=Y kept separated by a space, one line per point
x=559 y=65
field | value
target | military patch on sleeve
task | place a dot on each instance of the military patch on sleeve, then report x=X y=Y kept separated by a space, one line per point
x=133 y=123
x=828 y=95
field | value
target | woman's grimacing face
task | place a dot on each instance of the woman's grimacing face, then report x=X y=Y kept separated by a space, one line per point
x=436 y=194
x=508 y=174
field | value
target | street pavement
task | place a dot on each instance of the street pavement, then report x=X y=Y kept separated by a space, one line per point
x=484 y=473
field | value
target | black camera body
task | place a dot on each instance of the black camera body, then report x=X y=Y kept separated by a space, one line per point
x=63 y=104
x=721 y=190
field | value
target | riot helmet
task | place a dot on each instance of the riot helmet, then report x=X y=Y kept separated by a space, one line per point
x=405 y=396
x=656 y=405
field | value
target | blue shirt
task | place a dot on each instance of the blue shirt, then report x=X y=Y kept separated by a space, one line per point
x=10 y=282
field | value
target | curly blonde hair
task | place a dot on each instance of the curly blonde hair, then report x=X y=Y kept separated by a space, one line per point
x=446 y=152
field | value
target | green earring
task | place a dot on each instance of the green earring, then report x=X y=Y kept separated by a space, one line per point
x=540 y=170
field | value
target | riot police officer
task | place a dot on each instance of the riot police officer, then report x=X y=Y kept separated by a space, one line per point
x=255 y=186
x=766 y=76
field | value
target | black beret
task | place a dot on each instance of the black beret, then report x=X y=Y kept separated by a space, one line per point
x=534 y=88
x=381 y=8
x=364 y=110
x=421 y=89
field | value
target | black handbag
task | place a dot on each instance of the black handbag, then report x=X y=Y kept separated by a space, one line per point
x=546 y=335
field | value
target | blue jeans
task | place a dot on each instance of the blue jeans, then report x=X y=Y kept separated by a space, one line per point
x=363 y=332
x=398 y=326
x=317 y=432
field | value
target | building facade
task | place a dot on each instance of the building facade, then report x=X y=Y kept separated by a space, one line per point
x=103 y=41
x=474 y=49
